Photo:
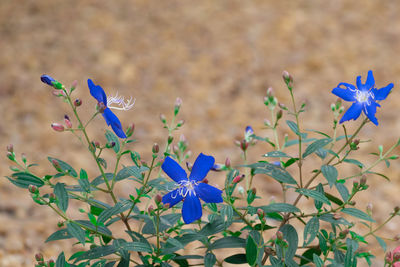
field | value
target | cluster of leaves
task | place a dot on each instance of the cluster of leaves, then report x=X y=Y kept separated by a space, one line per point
x=281 y=233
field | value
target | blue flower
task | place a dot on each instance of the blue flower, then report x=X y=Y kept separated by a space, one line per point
x=47 y=79
x=111 y=119
x=364 y=97
x=191 y=189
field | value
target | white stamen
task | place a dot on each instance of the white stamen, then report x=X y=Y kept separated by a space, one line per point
x=183 y=188
x=120 y=101
x=364 y=96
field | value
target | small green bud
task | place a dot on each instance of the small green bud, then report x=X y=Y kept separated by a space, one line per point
x=39 y=257
x=51 y=263
x=150 y=209
x=52 y=197
x=33 y=189
x=178 y=103
x=396 y=209
x=10 y=148
x=130 y=130
x=279 y=115
x=180 y=123
x=11 y=156
x=344 y=233
x=163 y=119
x=244 y=145
x=60 y=224
x=170 y=138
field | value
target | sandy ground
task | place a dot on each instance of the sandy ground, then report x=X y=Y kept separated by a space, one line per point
x=218 y=56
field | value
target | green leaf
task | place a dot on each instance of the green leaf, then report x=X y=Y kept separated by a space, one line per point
x=111 y=137
x=329 y=218
x=118 y=208
x=251 y=250
x=307 y=256
x=209 y=260
x=342 y=189
x=317 y=261
x=166 y=222
x=290 y=234
x=131 y=171
x=334 y=199
x=77 y=232
x=62 y=196
x=58 y=235
x=83 y=181
x=101 y=229
x=293 y=126
x=320 y=143
x=279 y=207
x=236 y=259
x=96 y=253
x=358 y=213
x=355 y=162
x=65 y=167
x=24 y=179
x=320 y=189
x=314 y=194
x=228 y=212
x=137 y=246
x=228 y=242
x=350 y=257
x=212 y=228
x=61 y=260
x=330 y=173
x=311 y=230
x=381 y=242
x=276 y=154
x=276 y=172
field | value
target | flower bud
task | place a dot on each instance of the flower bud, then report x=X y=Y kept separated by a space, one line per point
x=282 y=106
x=155 y=148
x=279 y=114
x=180 y=123
x=110 y=144
x=57 y=127
x=170 y=138
x=77 y=102
x=178 y=103
x=158 y=198
x=388 y=257
x=363 y=180
x=254 y=190
x=260 y=213
x=56 y=165
x=175 y=148
x=227 y=162
x=33 y=189
x=52 y=197
x=270 y=92
x=74 y=85
x=238 y=179
x=10 y=156
x=60 y=224
x=150 y=209
x=369 y=208
x=396 y=256
x=267 y=122
x=51 y=263
x=162 y=118
x=67 y=121
x=189 y=165
x=396 y=209
x=352 y=203
x=287 y=78
x=96 y=144
x=47 y=79
x=205 y=181
x=39 y=256
x=10 y=148
x=396 y=237
x=130 y=130
x=166 y=205
x=244 y=145
x=279 y=235
x=101 y=107
x=344 y=233
x=23 y=157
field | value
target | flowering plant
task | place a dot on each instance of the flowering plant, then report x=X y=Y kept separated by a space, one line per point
x=190 y=221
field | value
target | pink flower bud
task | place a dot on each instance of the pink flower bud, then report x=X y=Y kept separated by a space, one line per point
x=228 y=162
x=57 y=127
x=67 y=121
x=205 y=180
x=10 y=148
x=158 y=198
x=156 y=148
x=238 y=179
x=77 y=102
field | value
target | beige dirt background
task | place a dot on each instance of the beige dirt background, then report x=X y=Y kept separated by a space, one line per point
x=218 y=56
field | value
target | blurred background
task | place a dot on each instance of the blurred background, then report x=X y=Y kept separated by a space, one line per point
x=218 y=56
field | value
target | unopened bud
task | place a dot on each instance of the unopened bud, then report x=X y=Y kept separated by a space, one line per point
x=23 y=157
x=244 y=145
x=56 y=165
x=57 y=127
x=363 y=180
x=227 y=162
x=77 y=102
x=10 y=156
x=287 y=78
x=189 y=165
x=180 y=123
x=96 y=144
x=396 y=237
x=270 y=92
x=60 y=224
x=10 y=148
x=266 y=101
x=396 y=209
x=170 y=138
x=343 y=233
x=52 y=197
x=396 y=256
x=282 y=106
x=254 y=190
x=279 y=235
x=110 y=144
x=267 y=122
x=32 y=189
x=166 y=205
x=130 y=130
x=352 y=203
x=67 y=121
x=337 y=216
x=279 y=114
x=175 y=148
x=74 y=85
x=150 y=209
x=39 y=256
x=101 y=107
x=238 y=179
x=388 y=257
x=178 y=103
x=369 y=208
x=356 y=141
x=260 y=213
x=205 y=180
x=156 y=148
x=158 y=198
x=162 y=118
x=51 y=263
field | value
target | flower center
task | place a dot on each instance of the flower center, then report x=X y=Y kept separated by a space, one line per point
x=363 y=96
x=184 y=188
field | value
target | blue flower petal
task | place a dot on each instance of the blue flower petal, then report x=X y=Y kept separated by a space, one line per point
x=381 y=94
x=191 y=210
x=112 y=119
x=370 y=111
x=97 y=92
x=173 y=170
x=201 y=167
x=347 y=94
x=47 y=79
x=353 y=112
x=173 y=197
x=370 y=83
x=208 y=193
x=249 y=130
